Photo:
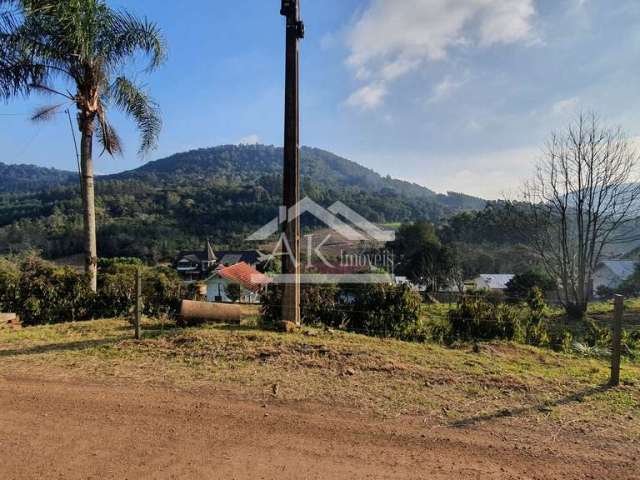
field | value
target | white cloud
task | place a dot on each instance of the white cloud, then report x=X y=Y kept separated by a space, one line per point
x=368 y=97
x=252 y=139
x=393 y=38
x=445 y=89
x=566 y=106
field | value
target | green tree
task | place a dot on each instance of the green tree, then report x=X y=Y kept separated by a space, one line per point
x=521 y=285
x=422 y=257
x=48 y=44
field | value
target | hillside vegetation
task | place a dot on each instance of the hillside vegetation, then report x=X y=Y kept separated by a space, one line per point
x=24 y=178
x=224 y=193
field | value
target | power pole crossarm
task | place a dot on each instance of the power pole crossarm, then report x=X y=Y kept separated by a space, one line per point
x=291 y=10
x=291 y=177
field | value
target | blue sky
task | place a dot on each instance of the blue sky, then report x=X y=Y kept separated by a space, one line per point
x=452 y=94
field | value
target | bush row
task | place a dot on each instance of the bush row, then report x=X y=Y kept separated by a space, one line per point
x=41 y=292
x=372 y=309
x=397 y=311
x=478 y=318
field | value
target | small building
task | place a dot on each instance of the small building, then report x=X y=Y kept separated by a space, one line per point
x=198 y=265
x=611 y=273
x=195 y=265
x=252 y=258
x=249 y=280
x=492 y=281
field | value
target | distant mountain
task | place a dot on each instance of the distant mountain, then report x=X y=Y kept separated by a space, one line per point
x=241 y=165
x=24 y=178
x=244 y=164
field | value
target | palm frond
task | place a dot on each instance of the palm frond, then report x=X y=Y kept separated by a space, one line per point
x=135 y=102
x=49 y=90
x=12 y=70
x=23 y=60
x=12 y=78
x=125 y=35
x=45 y=113
x=9 y=14
x=48 y=42
x=108 y=137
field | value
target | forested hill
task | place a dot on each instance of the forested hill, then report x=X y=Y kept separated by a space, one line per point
x=22 y=178
x=224 y=193
x=243 y=164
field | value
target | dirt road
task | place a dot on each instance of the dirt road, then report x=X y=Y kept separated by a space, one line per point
x=79 y=429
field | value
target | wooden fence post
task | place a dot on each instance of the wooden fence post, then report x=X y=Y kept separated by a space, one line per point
x=138 y=306
x=616 y=347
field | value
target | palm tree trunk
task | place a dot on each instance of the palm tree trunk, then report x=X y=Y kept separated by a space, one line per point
x=88 y=204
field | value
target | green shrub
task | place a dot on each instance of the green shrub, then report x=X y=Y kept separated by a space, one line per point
x=46 y=293
x=631 y=343
x=597 y=336
x=475 y=318
x=110 y=263
x=535 y=326
x=561 y=340
x=41 y=292
x=384 y=310
x=9 y=278
x=482 y=318
x=161 y=290
x=319 y=305
x=271 y=307
x=427 y=329
x=375 y=309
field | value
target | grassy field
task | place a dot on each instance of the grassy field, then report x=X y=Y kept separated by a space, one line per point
x=464 y=385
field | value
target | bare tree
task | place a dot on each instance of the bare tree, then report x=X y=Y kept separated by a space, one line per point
x=584 y=198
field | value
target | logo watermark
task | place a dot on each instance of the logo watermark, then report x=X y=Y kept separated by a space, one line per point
x=349 y=249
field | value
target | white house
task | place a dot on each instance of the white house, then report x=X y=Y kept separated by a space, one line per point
x=492 y=281
x=250 y=281
x=611 y=273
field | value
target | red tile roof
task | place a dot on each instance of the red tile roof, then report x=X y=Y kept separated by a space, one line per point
x=245 y=275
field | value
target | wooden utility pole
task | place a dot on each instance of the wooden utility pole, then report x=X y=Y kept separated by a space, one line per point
x=291 y=191
x=138 y=307
x=616 y=347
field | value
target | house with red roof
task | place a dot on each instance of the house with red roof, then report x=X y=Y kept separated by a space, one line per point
x=239 y=282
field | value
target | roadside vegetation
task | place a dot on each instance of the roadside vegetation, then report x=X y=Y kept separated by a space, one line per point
x=43 y=293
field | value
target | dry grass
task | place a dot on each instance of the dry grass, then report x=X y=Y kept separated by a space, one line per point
x=455 y=386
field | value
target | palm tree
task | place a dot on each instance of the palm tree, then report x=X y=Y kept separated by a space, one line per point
x=46 y=45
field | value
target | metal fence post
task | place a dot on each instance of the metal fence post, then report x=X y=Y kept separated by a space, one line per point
x=138 y=306
x=616 y=346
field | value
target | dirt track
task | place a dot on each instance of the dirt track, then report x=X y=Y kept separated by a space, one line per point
x=78 y=429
